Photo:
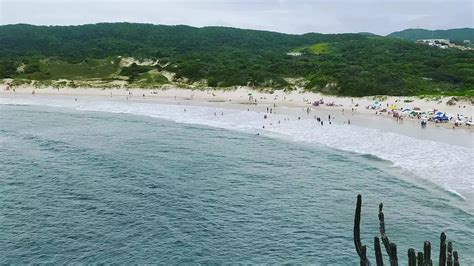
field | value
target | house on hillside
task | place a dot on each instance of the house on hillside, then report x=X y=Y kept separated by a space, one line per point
x=294 y=54
x=440 y=43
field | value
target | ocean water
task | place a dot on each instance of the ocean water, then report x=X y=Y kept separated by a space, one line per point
x=113 y=182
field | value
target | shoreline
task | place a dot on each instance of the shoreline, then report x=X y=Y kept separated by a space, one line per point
x=292 y=103
x=405 y=144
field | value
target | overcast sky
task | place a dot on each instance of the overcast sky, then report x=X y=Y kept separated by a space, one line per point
x=297 y=16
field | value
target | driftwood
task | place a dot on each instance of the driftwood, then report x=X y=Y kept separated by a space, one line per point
x=446 y=254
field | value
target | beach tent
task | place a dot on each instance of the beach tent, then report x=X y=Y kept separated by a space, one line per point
x=440 y=116
x=393 y=107
x=376 y=105
x=443 y=118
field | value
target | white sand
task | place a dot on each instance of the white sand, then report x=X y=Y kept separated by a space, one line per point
x=278 y=98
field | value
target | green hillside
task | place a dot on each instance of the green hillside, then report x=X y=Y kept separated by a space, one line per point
x=342 y=64
x=457 y=35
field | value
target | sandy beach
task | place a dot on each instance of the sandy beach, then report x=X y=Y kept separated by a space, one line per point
x=288 y=102
x=436 y=157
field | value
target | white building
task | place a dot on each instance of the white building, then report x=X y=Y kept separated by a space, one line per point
x=294 y=54
x=441 y=43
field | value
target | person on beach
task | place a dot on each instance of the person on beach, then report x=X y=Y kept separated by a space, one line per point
x=322 y=123
x=349 y=121
x=329 y=117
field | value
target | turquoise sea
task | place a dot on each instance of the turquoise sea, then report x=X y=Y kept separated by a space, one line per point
x=79 y=186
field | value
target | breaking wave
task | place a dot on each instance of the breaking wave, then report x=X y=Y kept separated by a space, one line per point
x=447 y=166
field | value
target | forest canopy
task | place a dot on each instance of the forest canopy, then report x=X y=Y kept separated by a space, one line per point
x=342 y=64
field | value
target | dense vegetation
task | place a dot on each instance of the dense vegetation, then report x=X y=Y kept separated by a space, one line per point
x=344 y=64
x=457 y=35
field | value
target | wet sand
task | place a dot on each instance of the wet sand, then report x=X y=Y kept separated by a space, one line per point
x=292 y=104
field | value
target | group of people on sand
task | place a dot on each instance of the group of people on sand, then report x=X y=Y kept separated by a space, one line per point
x=308 y=110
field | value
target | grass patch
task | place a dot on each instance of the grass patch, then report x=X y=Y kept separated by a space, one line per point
x=320 y=48
x=52 y=69
x=150 y=79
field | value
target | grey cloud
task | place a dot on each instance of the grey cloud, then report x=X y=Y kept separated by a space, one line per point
x=300 y=16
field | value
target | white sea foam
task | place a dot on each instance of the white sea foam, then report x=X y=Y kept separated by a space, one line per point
x=446 y=165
